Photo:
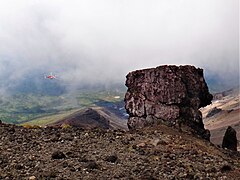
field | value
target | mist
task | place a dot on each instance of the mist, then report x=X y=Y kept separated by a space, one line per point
x=89 y=42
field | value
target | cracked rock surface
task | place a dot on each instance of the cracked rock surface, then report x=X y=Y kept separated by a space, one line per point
x=167 y=94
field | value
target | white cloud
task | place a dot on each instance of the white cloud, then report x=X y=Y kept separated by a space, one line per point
x=102 y=40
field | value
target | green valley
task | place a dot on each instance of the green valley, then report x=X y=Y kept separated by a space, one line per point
x=42 y=109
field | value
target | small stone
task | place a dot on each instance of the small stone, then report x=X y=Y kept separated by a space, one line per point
x=226 y=168
x=125 y=141
x=92 y=165
x=65 y=164
x=72 y=169
x=31 y=158
x=18 y=166
x=32 y=178
x=134 y=146
x=49 y=174
x=190 y=175
x=155 y=142
x=112 y=158
x=141 y=144
x=162 y=142
x=172 y=156
x=68 y=138
x=58 y=155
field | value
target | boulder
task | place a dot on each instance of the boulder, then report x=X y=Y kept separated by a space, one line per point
x=167 y=94
x=230 y=139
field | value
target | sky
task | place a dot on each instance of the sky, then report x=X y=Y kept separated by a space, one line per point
x=100 y=41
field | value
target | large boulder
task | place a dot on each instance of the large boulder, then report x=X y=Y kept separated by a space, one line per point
x=167 y=94
x=230 y=139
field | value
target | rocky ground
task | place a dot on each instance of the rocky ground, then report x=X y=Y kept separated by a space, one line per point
x=150 y=153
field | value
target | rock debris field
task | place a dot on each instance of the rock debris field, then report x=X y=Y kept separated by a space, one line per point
x=150 y=153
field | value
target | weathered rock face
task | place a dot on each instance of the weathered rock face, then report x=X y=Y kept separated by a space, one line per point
x=230 y=139
x=166 y=94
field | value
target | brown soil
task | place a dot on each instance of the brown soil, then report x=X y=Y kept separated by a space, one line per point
x=73 y=153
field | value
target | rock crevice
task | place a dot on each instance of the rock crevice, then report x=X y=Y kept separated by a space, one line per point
x=167 y=94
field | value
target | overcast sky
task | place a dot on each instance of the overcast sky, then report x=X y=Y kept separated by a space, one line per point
x=102 y=40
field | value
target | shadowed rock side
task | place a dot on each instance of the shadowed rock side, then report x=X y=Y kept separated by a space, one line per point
x=88 y=118
x=168 y=94
x=230 y=139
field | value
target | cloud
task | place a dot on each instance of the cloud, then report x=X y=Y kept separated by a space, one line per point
x=92 y=41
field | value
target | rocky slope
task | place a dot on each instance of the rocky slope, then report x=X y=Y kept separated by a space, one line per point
x=72 y=153
x=223 y=112
x=92 y=118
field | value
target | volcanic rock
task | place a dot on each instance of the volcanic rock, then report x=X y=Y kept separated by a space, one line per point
x=178 y=156
x=58 y=155
x=112 y=158
x=92 y=165
x=167 y=94
x=230 y=139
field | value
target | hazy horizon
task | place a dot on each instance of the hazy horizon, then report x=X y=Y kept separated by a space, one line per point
x=92 y=41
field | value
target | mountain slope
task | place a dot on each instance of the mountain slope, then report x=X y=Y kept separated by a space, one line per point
x=29 y=108
x=72 y=153
x=96 y=117
x=223 y=112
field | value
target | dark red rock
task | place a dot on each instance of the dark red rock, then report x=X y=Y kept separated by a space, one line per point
x=166 y=94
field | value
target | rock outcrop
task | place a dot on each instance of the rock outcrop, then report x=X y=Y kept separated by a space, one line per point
x=167 y=94
x=230 y=139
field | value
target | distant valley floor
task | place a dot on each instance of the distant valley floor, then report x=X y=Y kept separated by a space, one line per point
x=223 y=112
